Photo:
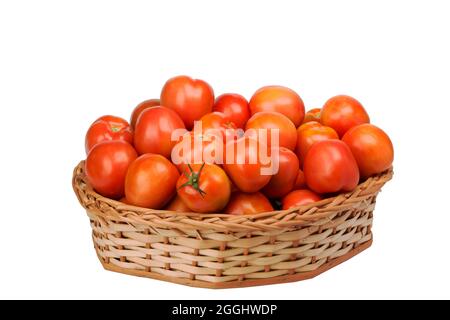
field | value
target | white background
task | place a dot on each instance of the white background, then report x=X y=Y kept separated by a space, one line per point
x=63 y=64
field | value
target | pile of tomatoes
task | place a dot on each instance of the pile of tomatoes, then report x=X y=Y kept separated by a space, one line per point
x=321 y=153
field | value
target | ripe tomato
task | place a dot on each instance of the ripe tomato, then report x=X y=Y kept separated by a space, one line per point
x=342 y=113
x=153 y=132
x=151 y=181
x=248 y=203
x=270 y=121
x=177 y=205
x=204 y=188
x=141 y=107
x=196 y=148
x=299 y=198
x=310 y=133
x=190 y=98
x=312 y=115
x=284 y=180
x=220 y=123
x=107 y=165
x=108 y=128
x=300 y=182
x=371 y=147
x=330 y=167
x=279 y=99
x=246 y=159
x=235 y=107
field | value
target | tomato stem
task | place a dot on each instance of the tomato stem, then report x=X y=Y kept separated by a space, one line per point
x=193 y=179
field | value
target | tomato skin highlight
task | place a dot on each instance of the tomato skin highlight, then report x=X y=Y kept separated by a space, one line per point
x=151 y=181
x=205 y=188
x=330 y=167
x=190 y=98
x=177 y=205
x=372 y=148
x=140 y=108
x=153 y=132
x=246 y=176
x=342 y=113
x=108 y=128
x=283 y=181
x=235 y=107
x=106 y=167
x=298 y=198
x=273 y=120
x=248 y=203
x=310 y=133
x=278 y=99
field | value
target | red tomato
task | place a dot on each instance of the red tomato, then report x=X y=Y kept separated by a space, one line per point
x=153 y=132
x=330 y=167
x=151 y=181
x=312 y=115
x=124 y=200
x=197 y=149
x=205 y=188
x=177 y=205
x=108 y=128
x=141 y=107
x=284 y=180
x=300 y=182
x=371 y=147
x=248 y=203
x=217 y=121
x=310 y=133
x=245 y=163
x=107 y=165
x=274 y=120
x=190 y=98
x=299 y=198
x=279 y=99
x=235 y=107
x=342 y=113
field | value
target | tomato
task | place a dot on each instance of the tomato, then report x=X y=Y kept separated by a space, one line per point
x=330 y=167
x=270 y=121
x=235 y=107
x=247 y=165
x=300 y=182
x=141 y=107
x=279 y=99
x=342 y=113
x=248 y=203
x=108 y=128
x=154 y=128
x=107 y=165
x=299 y=198
x=177 y=205
x=284 y=180
x=312 y=115
x=196 y=148
x=151 y=181
x=190 y=98
x=309 y=133
x=220 y=123
x=371 y=147
x=124 y=200
x=204 y=188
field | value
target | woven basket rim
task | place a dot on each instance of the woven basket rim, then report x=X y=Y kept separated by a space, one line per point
x=262 y=221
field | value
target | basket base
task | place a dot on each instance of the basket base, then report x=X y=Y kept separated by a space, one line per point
x=244 y=283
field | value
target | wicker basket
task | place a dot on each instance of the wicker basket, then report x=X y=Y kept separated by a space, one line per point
x=226 y=251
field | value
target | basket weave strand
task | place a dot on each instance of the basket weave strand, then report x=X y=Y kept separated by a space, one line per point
x=221 y=250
